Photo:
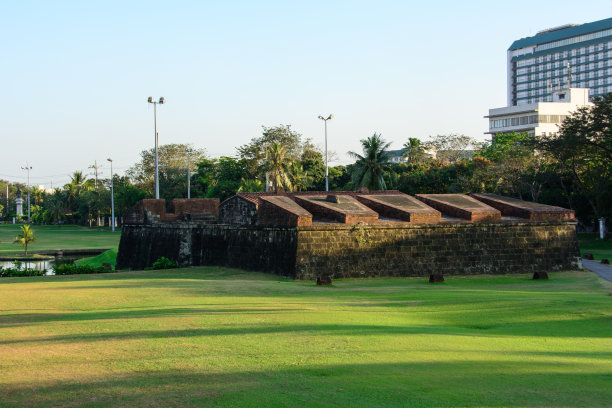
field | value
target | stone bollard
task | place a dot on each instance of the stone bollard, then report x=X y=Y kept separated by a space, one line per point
x=605 y=261
x=436 y=278
x=540 y=275
x=324 y=281
x=587 y=256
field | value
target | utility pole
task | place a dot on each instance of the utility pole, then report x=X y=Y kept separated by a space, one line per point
x=112 y=199
x=28 y=168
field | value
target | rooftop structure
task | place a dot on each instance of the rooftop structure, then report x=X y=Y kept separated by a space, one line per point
x=538 y=118
x=558 y=58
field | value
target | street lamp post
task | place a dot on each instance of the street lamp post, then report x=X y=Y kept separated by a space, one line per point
x=28 y=168
x=112 y=198
x=188 y=174
x=161 y=102
x=326 y=168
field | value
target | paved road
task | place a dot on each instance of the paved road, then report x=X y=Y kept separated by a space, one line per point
x=604 y=271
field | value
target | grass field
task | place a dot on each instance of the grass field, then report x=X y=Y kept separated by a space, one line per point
x=592 y=244
x=221 y=337
x=52 y=237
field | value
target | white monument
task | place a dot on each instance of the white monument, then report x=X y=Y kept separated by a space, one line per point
x=19 y=203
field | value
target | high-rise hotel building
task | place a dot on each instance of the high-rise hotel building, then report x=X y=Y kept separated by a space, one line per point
x=538 y=65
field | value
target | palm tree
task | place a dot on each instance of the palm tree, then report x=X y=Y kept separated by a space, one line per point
x=413 y=151
x=369 y=169
x=25 y=237
x=277 y=167
x=299 y=177
x=250 y=186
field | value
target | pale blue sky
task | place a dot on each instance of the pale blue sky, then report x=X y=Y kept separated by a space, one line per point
x=76 y=75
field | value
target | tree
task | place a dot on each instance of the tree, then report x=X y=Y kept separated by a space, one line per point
x=25 y=237
x=583 y=146
x=511 y=159
x=313 y=165
x=453 y=147
x=414 y=153
x=54 y=207
x=250 y=186
x=369 y=170
x=172 y=159
x=254 y=153
x=219 y=177
x=300 y=179
x=277 y=167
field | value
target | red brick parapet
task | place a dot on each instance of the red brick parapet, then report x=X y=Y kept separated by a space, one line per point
x=281 y=211
x=341 y=208
x=401 y=207
x=514 y=207
x=461 y=206
x=154 y=210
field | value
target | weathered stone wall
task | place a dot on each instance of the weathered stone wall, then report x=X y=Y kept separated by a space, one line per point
x=358 y=251
x=237 y=210
x=419 y=250
x=254 y=248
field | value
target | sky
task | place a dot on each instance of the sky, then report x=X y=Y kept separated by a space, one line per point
x=76 y=75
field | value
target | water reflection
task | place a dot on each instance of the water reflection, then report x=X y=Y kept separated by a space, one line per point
x=41 y=265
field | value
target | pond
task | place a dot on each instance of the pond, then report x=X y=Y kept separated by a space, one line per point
x=43 y=265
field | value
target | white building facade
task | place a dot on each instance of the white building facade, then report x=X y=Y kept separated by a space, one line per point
x=538 y=118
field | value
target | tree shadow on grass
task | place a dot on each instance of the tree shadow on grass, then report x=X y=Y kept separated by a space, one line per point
x=581 y=328
x=493 y=383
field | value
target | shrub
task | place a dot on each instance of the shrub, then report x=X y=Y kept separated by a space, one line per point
x=17 y=271
x=164 y=263
x=73 y=269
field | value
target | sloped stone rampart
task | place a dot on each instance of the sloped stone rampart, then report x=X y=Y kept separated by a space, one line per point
x=281 y=211
x=524 y=209
x=461 y=206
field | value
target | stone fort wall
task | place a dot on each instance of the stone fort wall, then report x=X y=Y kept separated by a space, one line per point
x=339 y=250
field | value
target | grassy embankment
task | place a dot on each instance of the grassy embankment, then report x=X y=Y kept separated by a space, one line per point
x=222 y=337
x=52 y=237
x=592 y=244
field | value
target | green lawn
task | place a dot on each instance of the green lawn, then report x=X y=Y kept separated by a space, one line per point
x=109 y=257
x=52 y=237
x=222 y=337
x=592 y=244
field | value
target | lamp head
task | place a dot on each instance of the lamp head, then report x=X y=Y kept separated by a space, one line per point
x=321 y=117
x=330 y=117
x=150 y=99
x=110 y=160
x=162 y=100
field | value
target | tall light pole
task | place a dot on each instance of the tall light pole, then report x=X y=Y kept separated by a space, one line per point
x=28 y=168
x=161 y=102
x=188 y=173
x=326 y=168
x=112 y=198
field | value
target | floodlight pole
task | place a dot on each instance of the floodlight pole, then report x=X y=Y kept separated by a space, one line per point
x=161 y=101
x=28 y=168
x=188 y=174
x=112 y=198
x=326 y=168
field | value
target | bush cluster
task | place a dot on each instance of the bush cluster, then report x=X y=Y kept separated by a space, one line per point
x=74 y=269
x=164 y=263
x=17 y=271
